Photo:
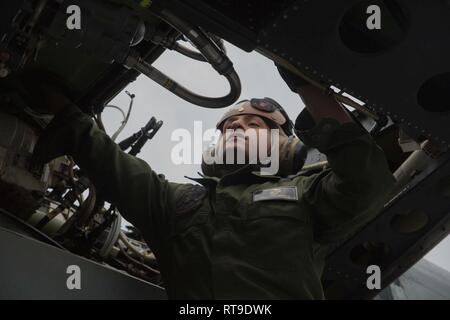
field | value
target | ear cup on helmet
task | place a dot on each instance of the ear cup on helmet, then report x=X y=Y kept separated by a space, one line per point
x=292 y=155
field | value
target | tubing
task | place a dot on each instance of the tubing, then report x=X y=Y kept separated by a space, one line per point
x=195 y=54
x=209 y=50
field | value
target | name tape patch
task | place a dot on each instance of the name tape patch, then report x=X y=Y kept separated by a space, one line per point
x=279 y=193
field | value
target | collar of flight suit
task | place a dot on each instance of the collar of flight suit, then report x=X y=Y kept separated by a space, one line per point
x=246 y=174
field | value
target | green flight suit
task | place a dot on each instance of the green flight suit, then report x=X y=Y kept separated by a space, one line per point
x=245 y=235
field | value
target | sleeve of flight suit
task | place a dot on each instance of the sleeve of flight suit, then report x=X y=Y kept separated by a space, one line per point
x=141 y=195
x=349 y=195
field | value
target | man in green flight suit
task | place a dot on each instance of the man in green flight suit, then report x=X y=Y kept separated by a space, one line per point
x=237 y=233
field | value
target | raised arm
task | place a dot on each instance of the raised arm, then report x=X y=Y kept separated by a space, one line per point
x=143 y=197
x=353 y=191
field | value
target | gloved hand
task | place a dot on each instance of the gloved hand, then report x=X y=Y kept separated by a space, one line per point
x=292 y=80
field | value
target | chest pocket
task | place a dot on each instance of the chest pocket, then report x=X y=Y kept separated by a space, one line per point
x=276 y=230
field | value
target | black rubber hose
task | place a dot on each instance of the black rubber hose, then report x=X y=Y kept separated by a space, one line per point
x=195 y=54
x=209 y=50
x=163 y=80
x=189 y=53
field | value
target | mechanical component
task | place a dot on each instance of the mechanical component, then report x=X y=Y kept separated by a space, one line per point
x=137 y=140
x=106 y=241
x=171 y=43
x=18 y=44
x=125 y=116
x=209 y=51
x=415 y=164
x=407 y=143
x=17 y=141
x=107 y=33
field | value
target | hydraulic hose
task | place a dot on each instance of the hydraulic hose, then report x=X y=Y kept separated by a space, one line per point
x=189 y=53
x=208 y=50
x=195 y=54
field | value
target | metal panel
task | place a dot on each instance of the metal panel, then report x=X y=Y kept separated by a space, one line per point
x=381 y=243
x=34 y=270
x=389 y=77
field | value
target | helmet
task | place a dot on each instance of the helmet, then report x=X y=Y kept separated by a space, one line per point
x=292 y=153
x=266 y=108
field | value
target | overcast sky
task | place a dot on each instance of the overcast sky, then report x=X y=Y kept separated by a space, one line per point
x=259 y=79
